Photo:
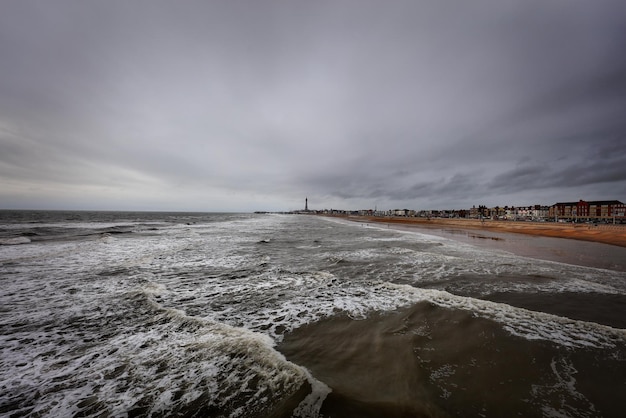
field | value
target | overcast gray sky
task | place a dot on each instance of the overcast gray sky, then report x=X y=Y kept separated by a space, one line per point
x=255 y=105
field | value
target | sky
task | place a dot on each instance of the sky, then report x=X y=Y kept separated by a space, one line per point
x=241 y=106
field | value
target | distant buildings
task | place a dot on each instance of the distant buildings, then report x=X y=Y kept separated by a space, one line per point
x=519 y=213
x=599 y=209
x=612 y=211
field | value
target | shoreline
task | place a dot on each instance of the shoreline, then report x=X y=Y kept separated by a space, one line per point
x=605 y=234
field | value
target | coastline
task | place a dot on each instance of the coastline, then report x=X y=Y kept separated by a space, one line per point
x=605 y=234
x=601 y=247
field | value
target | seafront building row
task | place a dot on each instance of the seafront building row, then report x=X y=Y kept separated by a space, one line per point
x=580 y=211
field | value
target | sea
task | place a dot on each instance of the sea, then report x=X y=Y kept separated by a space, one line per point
x=126 y=314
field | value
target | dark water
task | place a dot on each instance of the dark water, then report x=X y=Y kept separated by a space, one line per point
x=162 y=314
x=562 y=250
x=428 y=361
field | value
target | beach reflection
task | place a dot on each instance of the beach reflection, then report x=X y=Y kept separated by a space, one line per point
x=582 y=253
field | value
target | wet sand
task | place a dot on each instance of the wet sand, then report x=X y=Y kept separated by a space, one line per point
x=572 y=244
x=602 y=233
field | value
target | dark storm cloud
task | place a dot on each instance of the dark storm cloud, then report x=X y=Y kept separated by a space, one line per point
x=237 y=105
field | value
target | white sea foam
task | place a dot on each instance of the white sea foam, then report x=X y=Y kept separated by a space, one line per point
x=565 y=384
x=159 y=355
x=191 y=314
x=14 y=241
x=537 y=325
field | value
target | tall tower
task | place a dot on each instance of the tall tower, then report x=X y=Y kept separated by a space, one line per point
x=306 y=204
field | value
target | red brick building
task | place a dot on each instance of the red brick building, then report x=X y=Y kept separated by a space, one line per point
x=599 y=209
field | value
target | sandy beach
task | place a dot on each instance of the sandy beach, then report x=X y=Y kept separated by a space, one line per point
x=602 y=233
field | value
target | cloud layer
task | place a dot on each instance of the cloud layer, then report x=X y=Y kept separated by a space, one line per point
x=240 y=105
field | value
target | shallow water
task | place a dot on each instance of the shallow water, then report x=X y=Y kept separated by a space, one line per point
x=570 y=251
x=154 y=314
x=432 y=361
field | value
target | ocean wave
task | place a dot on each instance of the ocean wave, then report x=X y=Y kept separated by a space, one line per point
x=15 y=241
x=534 y=325
x=186 y=319
x=131 y=355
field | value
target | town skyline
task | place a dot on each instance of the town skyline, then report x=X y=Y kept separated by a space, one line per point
x=583 y=209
